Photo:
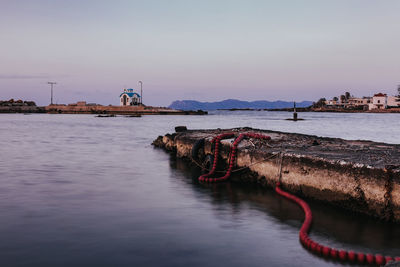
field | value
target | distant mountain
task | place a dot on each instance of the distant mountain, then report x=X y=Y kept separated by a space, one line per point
x=234 y=103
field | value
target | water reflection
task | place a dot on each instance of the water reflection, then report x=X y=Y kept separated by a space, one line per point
x=77 y=190
x=331 y=226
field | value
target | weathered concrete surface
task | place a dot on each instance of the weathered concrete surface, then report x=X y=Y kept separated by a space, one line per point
x=362 y=176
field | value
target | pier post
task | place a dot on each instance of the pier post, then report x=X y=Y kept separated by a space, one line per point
x=294 y=112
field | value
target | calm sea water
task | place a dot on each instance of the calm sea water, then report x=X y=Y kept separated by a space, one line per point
x=77 y=190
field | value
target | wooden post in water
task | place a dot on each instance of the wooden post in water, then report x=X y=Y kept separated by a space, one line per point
x=294 y=111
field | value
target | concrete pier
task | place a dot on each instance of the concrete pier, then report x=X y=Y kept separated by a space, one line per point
x=360 y=176
x=83 y=108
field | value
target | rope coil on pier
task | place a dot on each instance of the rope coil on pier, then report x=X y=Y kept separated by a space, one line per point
x=217 y=141
x=308 y=243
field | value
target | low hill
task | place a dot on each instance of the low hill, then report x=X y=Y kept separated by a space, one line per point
x=235 y=104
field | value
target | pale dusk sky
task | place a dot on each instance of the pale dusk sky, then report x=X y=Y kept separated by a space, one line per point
x=198 y=50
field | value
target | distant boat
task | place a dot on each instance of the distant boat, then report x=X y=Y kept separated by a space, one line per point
x=105 y=116
x=133 y=116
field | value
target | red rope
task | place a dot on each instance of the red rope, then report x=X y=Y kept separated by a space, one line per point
x=315 y=247
x=326 y=251
x=217 y=141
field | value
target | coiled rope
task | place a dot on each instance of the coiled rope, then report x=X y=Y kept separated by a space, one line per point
x=217 y=141
x=308 y=243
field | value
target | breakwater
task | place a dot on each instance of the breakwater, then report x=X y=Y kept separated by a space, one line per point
x=22 y=109
x=117 y=110
x=99 y=109
x=360 y=176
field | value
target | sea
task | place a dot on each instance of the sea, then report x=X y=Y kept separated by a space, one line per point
x=79 y=190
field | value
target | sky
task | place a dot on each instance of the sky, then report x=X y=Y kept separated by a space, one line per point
x=206 y=50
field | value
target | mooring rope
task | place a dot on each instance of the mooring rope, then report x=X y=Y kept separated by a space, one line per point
x=308 y=243
x=233 y=151
x=325 y=251
x=238 y=169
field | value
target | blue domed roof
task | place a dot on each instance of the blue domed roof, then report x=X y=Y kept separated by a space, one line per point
x=130 y=93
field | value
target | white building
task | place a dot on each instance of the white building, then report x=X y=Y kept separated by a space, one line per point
x=352 y=102
x=356 y=101
x=379 y=101
x=331 y=102
x=130 y=98
x=393 y=101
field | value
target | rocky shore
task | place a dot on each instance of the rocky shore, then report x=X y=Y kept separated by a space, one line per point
x=19 y=106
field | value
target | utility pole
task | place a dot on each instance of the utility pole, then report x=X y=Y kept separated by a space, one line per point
x=51 y=85
x=141 y=92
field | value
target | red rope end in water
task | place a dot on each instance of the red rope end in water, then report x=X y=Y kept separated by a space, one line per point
x=327 y=252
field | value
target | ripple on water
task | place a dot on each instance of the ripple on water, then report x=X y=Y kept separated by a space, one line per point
x=79 y=191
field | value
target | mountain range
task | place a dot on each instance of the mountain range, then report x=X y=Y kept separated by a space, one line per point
x=235 y=104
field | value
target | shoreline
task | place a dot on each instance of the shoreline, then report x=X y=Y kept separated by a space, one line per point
x=98 y=109
x=145 y=110
x=393 y=110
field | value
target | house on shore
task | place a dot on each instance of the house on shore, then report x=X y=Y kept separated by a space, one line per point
x=378 y=101
x=357 y=101
x=383 y=101
x=130 y=98
x=351 y=103
x=393 y=101
x=332 y=103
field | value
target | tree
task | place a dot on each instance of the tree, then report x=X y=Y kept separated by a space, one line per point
x=342 y=98
x=321 y=103
x=335 y=98
x=347 y=94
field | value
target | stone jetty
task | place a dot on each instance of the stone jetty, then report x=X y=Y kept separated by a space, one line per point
x=361 y=176
x=84 y=108
x=81 y=107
